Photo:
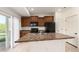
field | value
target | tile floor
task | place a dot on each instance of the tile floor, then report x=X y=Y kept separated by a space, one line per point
x=68 y=48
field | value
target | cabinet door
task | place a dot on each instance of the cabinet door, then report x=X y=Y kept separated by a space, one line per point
x=41 y=21
x=49 y=18
x=34 y=18
x=25 y=21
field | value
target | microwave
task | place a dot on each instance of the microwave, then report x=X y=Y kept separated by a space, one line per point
x=32 y=24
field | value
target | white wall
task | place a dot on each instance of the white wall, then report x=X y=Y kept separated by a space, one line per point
x=16 y=27
x=62 y=18
x=59 y=19
x=71 y=16
x=15 y=31
x=67 y=22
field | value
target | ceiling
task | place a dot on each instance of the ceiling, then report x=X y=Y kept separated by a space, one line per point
x=41 y=11
x=34 y=11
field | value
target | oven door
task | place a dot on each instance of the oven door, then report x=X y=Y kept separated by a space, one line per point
x=34 y=30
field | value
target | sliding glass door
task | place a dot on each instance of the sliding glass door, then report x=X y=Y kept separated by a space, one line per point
x=4 y=37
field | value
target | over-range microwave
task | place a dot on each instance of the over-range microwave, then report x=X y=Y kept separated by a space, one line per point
x=33 y=24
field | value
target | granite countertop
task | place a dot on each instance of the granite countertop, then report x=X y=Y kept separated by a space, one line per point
x=43 y=36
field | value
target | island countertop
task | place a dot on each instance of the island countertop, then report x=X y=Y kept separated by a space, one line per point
x=43 y=36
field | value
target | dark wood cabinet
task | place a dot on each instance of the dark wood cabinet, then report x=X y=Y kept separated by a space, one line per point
x=49 y=18
x=25 y=21
x=34 y=18
x=40 y=21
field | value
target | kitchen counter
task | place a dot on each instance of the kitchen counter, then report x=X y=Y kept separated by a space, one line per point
x=45 y=42
x=43 y=36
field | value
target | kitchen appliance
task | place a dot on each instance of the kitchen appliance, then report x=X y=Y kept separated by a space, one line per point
x=34 y=30
x=32 y=24
x=50 y=27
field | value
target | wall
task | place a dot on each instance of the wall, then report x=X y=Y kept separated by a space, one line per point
x=16 y=29
x=59 y=19
x=71 y=16
x=62 y=18
x=67 y=22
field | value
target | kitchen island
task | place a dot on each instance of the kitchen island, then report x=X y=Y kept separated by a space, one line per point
x=42 y=42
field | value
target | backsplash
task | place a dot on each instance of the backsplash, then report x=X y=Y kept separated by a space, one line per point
x=29 y=28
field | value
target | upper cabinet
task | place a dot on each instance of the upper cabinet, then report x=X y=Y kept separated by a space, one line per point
x=34 y=18
x=25 y=21
x=49 y=18
x=40 y=21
